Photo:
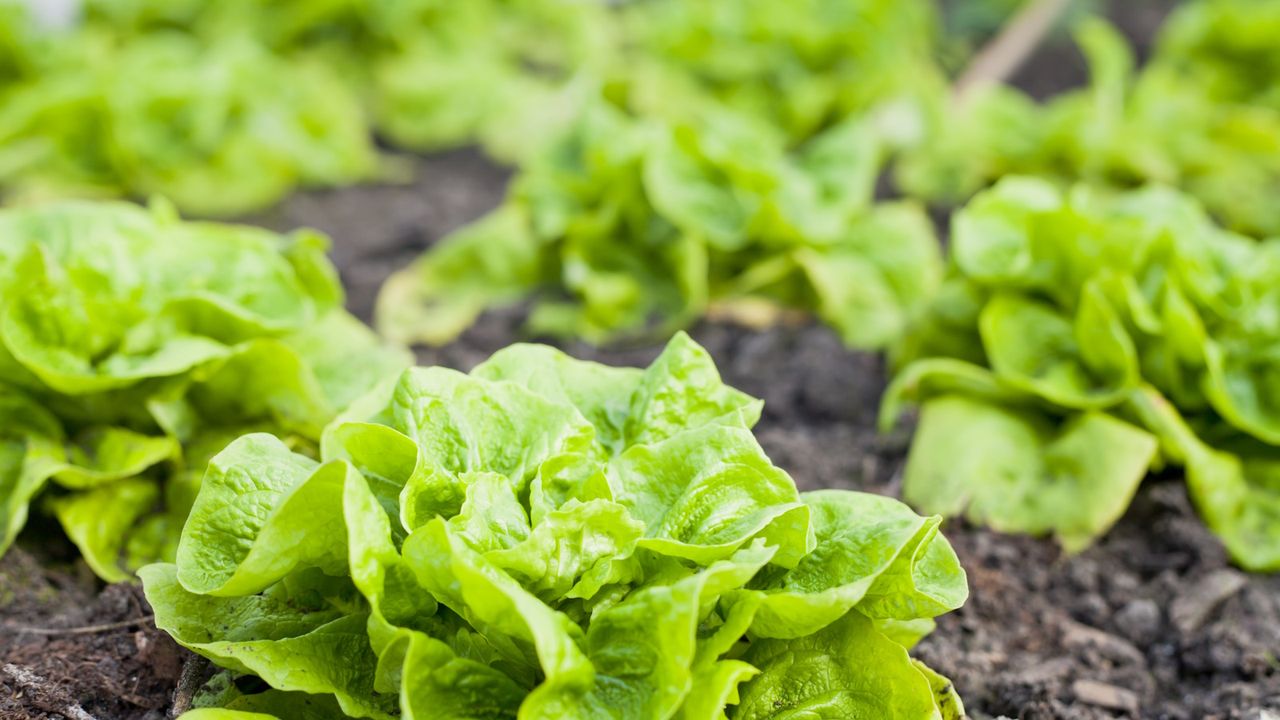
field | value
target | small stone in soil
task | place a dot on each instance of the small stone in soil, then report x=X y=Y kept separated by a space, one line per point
x=1099 y=694
x=1139 y=621
x=1112 y=648
x=1193 y=607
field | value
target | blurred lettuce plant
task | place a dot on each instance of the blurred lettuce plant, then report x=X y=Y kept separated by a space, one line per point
x=1202 y=115
x=624 y=227
x=225 y=107
x=134 y=346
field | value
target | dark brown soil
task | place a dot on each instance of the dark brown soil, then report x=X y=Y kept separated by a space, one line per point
x=381 y=228
x=69 y=649
x=1150 y=623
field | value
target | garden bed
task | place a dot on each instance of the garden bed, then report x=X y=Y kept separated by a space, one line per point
x=1152 y=622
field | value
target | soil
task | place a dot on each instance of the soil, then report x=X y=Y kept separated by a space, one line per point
x=1152 y=622
x=69 y=649
x=382 y=228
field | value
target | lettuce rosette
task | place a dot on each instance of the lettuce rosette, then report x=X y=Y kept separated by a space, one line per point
x=220 y=127
x=1201 y=115
x=626 y=228
x=1084 y=339
x=551 y=538
x=134 y=346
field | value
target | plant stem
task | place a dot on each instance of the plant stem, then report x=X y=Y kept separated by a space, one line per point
x=999 y=59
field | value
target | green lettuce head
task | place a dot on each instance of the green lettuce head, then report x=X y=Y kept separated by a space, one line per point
x=135 y=346
x=624 y=228
x=551 y=538
x=1080 y=340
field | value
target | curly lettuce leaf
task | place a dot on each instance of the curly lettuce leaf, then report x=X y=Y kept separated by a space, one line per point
x=293 y=647
x=523 y=629
x=600 y=392
x=254 y=473
x=436 y=683
x=268 y=705
x=703 y=494
x=846 y=670
x=872 y=553
x=643 y=648
x=1019 y=471
x=220 y=714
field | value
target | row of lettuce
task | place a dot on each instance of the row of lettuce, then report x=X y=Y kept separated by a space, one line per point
x=540 y=538
x=225 y=107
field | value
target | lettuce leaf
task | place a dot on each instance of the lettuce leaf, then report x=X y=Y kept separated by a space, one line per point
x=546 y=538
x=846 y=670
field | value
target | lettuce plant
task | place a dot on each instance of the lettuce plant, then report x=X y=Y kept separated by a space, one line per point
x=801 y=67
x=1227 y=47
x=628 y=226
x=134 y=346
x=219 y=128
x=1202 y=115
x=1082 y=339
x=551 y=538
